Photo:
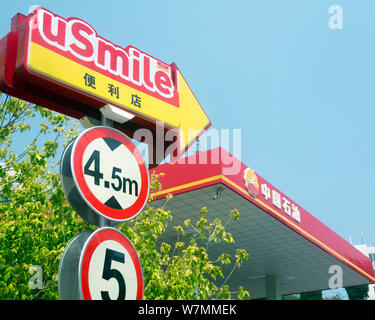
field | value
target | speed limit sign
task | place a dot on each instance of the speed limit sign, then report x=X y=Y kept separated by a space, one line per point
x=100 y=265
x=104 y=176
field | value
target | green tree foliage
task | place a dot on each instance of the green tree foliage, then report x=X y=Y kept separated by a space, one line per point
x=184 y=270
x=315 y=295
x=357 y=292
x=291 y=297
x=36 y=222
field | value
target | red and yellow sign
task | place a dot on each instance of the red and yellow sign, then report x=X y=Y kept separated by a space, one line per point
x=68 y=58
x=70 y=52
x=188 y=176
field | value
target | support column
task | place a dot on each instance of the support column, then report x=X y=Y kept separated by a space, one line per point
x=103 y=222
x=273 y=291
x=106 y=122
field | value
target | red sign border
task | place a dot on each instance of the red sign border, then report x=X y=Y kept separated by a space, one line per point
x=94 y=203
x=91 y=244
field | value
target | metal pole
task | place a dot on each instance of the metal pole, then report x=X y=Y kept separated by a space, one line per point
x=103 y=222
x=106 y=122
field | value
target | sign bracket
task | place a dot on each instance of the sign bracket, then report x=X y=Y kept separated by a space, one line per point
x=106 y=122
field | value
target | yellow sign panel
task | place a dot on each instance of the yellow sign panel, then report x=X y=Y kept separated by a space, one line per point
x=71 y=73
x=189 y=116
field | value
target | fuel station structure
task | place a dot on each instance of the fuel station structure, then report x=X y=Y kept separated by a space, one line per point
x=290 y=250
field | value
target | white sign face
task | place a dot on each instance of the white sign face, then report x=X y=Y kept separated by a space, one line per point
x=104 y=176
x=112 y=173
x=109 y=268
x=117 y=279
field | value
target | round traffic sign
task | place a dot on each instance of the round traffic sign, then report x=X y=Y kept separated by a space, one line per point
x=100 y=265
x=109 y=268
x=104 y=176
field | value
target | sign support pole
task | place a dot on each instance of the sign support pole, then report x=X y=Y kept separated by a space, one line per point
x=103 y=222
x=106 y=122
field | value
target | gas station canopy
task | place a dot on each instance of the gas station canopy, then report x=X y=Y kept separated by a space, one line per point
x=290 y=251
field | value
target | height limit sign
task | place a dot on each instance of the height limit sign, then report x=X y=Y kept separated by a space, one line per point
x=104 y=176
x=106 y=181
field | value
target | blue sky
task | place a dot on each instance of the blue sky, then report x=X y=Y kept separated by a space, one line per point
x=301 y=93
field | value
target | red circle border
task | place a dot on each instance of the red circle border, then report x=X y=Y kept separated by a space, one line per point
x=77 y=169
x=91 y=244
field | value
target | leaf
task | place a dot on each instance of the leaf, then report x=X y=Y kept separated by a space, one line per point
x=179 y=230
x=225 y=258
x=243 y=294
x=7 y=276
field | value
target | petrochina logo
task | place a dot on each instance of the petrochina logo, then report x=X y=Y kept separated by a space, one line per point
x=251 y=182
